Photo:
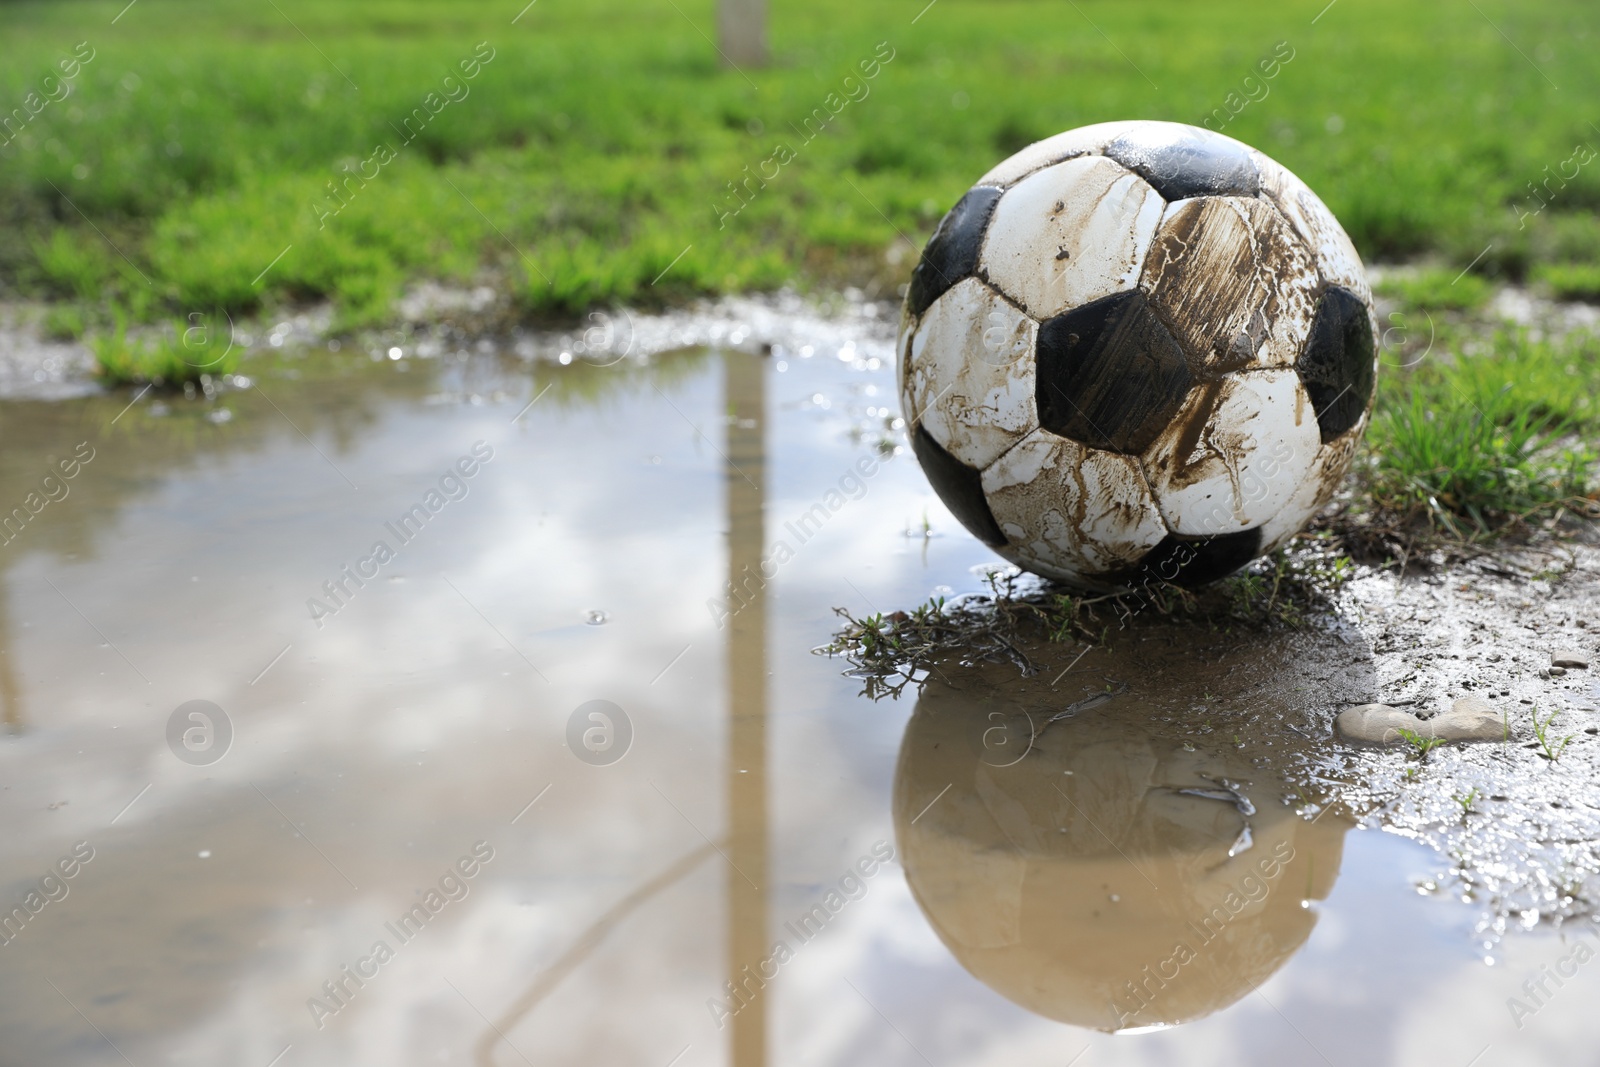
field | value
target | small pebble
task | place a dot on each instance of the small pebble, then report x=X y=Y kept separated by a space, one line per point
x=1557 y=672
x=1569 y=657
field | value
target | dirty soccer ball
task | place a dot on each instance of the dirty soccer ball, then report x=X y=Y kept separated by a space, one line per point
x=1137 y=351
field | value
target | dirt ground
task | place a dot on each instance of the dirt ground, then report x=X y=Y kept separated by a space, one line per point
x=1525 y=846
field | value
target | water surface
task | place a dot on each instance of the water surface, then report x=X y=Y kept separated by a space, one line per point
x=946 y=878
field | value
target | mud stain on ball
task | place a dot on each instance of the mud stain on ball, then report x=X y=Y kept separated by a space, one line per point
x=1235 y=455
x=1231 y=281
x=1056 y=499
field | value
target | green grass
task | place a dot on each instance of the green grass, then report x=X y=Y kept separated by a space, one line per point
x=63 y=322
x=597 y=147
x=1283 y=590
x=1420 y=745
x=184 y=353
x=1551 y=747
x=1437 y=289
x=1474 y=441
x=1570 y=281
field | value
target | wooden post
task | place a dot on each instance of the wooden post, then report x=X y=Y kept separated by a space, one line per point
x=742 y=32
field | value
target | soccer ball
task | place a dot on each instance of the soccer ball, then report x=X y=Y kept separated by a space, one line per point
x=1137 y=350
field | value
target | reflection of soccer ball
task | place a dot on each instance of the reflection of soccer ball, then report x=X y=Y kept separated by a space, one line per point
x=1137 y=349
x=1082 y=882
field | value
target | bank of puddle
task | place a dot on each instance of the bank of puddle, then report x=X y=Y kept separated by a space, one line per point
x=413 y=850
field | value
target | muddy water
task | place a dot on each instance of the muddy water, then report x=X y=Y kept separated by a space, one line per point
x=400 y=833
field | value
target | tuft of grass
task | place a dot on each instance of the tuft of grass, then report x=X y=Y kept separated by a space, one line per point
x=185 y=352
x=1550 y=751
x=1474 y=442
x=63 y=322
x=1419 y=744
x=1467 y=801
x=1437 y=289
x=1570 y=281
x=889 y=651
x=894 y=650
x=1286 y=587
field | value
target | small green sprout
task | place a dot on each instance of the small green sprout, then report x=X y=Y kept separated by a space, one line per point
x=1540 y=731
x=1422 y=745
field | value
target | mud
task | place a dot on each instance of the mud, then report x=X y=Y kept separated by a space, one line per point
x=1524 y=850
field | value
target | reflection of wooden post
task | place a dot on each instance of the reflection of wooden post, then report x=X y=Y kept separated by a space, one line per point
x=742 y=32
x=10 y=692
x=745 y=384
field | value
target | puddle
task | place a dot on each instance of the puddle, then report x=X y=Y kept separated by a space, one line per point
x=554 y=777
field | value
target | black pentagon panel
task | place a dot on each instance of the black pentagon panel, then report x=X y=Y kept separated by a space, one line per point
x=1336 y=364
x=1183 y=163
x=959 y=486
x=1194 y=561
x=952 y=252
x=1109 y=374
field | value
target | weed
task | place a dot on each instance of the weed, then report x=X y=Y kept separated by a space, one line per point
x=1421 y=745
x=1570 y=281
x=891 y=651
x=63 y=322
x=1467 y=801
x=167 y=358
x=1550 y=752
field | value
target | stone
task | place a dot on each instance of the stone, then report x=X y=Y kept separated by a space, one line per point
x=1469 y=719
x=1569 y=657
x=1557 y=672
x=1377 y=723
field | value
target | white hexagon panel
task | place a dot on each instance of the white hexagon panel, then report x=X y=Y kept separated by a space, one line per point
x=1071 y=233
x=1320 y=484
x=1057 y=499
x=1235 y=454
x=969 y=374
